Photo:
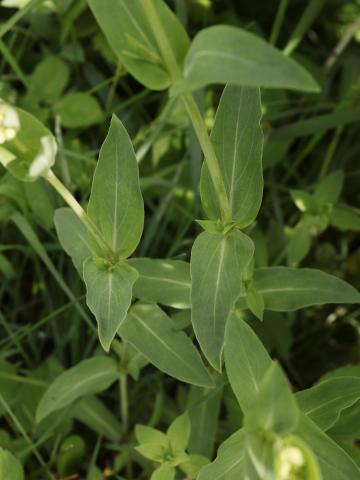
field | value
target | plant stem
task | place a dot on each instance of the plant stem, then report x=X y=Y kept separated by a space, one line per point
x=124 y=401
x=192 y=109
x=210 y=155
x=8 y=25
x=79 y=211
x=280 y=14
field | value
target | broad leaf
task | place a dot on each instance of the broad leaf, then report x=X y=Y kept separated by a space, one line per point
x=178 y=433
x=229 y=463
x=145 y=434
x=78 y=109
x=259 y=457
x=10 y=467
x=108 y=294
x=345 y=218
x=164 y=472
x=49 y=79
x=129 y=33
x=329 y=189
x=217 y=262
x=286 y=289
x=335 y=463
x=116 y=204
x=162 y=281
x=86 y=378
x=31 y=153
x=237 y=140
x=225 y=54
x=153 y=333
x=274 y=408
x=246 y=361
x=324 y=402
x=74 y=237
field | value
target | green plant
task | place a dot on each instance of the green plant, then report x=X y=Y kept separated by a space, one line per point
x=283 y=436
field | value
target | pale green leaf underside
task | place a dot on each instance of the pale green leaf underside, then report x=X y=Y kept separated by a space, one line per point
x=130 y=35
x=226 y=54
x=86 y=378
x=116 y=205
x=229 y=463
x=73 y=236
x=286 y=289
x=217 y=262
x=108 y=295
x=237 y=140
x=324 y=402
x=162 y=281
x=152 y=332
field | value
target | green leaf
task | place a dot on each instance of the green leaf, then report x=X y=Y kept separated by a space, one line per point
x=259 y=457
x=116 y=204
x=153 y=333
x=146 y=434
x=255 y=302
x=193 y=466
x=324 y=402
x=305 y=202
x=179 y=433
x=345 y=218
x=129 y=32
x=152 y=451
x=246 y=361
x=31 y=153
x=274 y=409
x=10 y=467
x=237 y=140
x=78 y=109
x=70 y=455
x=225 y=54
x=162 y=281
x=335 y=463
x=108 y=294
x=299 y=244
x=93 y=413
x=229 y=463
x=204 y=408
x=49 y=79
x=217 y=262
x=164 y=472
x=73 y=237
x=86 y=378
x=328 y=190
x=285 y=289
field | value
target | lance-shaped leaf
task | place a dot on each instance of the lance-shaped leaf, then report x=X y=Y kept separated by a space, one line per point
x=345 y=218
x=74 y=237
x=10 y=467
x=246 y=361
x=259 y=457
x=116 y=205
x=108 y=294
x=129 y=33
x=162 y=281
x=324 y=402
x=229 y=463
x=335 y=463
x=224 y=54
x=153 y=334
x=217 y=263
x=27 y=147
x=86 y=378
x=286 y=289
x=237 y=140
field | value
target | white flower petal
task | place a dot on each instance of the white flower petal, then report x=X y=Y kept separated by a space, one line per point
x=45 y=159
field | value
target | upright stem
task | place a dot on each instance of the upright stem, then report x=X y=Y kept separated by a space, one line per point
x=78 y=210
x=192 y=109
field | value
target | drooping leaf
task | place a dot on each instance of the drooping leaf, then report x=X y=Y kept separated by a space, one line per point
x=274 y=409
x=116 y=205
x=225 y=54
x=237 y=140
x=335 y=463
x=255 y=302
x=108 y=294
x=324 y=402
x=129 y=33
x=345 y=218
x=162 y=281
x=25 y=156
x=286 y=289
x=10 y=467
x=74 y=237
x=229 y=463
x=86 y=378
x=153 y=333
x=246 y=361
x=299 y=244
x=78 y=110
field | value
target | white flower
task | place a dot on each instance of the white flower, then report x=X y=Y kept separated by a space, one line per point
x=290 y=460
x=45 y=159
x=9 y=122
